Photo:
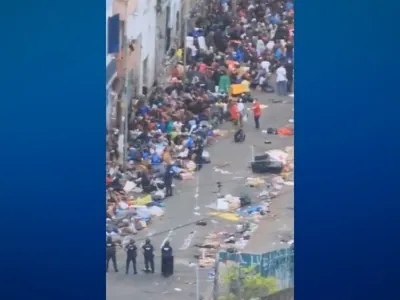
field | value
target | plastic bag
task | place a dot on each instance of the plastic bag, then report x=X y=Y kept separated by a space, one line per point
x=245 y=119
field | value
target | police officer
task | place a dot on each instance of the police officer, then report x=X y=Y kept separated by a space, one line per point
x=111 y=253
x=169 y=174
x=148 y=253
x=199 y=154
x=131 y=253
x=167 y=260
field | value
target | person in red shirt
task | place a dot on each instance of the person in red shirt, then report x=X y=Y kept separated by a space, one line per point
x=235 y=114
x=257 y=113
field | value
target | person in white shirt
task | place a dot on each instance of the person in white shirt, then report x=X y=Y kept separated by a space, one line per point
x=240 y=108
x=270 y=45
x=281 y=81
x=265 y=64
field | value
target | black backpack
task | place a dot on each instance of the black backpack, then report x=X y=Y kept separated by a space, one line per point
x=239 y=136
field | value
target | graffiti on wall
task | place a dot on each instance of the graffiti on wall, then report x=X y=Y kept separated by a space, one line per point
x=279 y=264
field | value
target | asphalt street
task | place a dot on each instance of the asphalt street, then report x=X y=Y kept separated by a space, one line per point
x=190 y=204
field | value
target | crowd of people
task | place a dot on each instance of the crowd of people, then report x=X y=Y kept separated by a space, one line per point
x=232 y=51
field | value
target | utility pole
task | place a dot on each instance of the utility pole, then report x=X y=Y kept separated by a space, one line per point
x=216 y=278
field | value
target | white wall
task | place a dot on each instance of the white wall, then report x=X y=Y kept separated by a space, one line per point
x=175 y=7
x=143 y=23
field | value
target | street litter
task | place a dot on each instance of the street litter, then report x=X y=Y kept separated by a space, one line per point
x=255 y=182
x=277 y=155
x=178 y=289
x=226 y=216
x=222 y=171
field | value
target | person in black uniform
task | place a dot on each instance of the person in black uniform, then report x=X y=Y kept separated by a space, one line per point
x=289 y=74
x=169 y=174
x=131 y=253
x=148 y=252
x=167 y=260
x=199 y=154
x=111 y=253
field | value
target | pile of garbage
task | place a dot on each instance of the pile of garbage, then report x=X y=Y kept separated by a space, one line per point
x=275 y=161
x=245 y=214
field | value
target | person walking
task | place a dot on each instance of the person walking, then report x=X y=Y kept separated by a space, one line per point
x=281 y=81
x=131 y=253
x=257 y=113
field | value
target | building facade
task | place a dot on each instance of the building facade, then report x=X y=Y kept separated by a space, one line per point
x=111 y=76
x=151 y=27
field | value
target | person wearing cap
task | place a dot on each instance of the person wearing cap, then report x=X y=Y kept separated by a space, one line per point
x=131 y=253
x=257 y=113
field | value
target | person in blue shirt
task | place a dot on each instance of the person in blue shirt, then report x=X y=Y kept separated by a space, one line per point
x=278 y=53
x=288 y=5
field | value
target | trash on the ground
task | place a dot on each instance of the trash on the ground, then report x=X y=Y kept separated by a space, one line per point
x=201 y=223
x=276 y=101
x=226 y=216
x=206 y=262
x=222 y=165
x=156 y=211
x=267 y=142
x=285 y=131
x=255 y=182
x=178 y=289
x=291 y=121
x=218 y=170
x=278 y=155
